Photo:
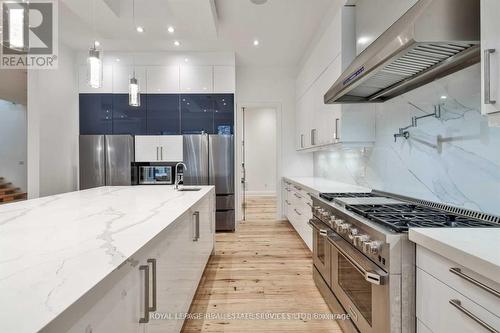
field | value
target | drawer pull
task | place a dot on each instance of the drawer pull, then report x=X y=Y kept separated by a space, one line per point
x=296 y=211
x=457 y=304
x=145 y=319
x=298 y=196
x=458 y=271
x=288 y=202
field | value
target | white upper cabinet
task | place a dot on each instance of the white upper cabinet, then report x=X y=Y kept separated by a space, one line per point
x=122 y=75
x=158 y=148
x=196 y=79
x=490 y=47
x=319 y=125
x=224 y=79
x=163 y=79
x=107 y=80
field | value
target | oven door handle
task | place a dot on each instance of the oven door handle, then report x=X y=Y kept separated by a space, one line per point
x=370 y=274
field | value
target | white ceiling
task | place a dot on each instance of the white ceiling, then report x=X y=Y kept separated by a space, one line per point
x=283 y=27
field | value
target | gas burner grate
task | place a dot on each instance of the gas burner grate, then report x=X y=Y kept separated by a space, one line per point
x=400 y=217
x=331 y=196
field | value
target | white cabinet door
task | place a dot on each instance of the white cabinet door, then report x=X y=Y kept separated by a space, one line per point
x=196 y=79
x=163 y=80
x=122 y=75
x=303 y=120
x=171 y=148
x=490 y=40
x=147 y=148
x=107 y=80
x=224 y=79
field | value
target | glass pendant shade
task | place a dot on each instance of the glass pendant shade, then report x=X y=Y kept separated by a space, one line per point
x=94 y=68
x=134 y=96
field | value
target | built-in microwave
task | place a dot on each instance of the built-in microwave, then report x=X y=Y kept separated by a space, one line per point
x=155 y=175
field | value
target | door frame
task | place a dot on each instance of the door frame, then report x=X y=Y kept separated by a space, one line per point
x=239 y=151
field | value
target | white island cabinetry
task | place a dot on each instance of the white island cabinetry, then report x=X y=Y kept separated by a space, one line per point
x=132 y=258
x=458 y=280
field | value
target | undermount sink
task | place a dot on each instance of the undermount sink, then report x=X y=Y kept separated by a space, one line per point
x=189 y=189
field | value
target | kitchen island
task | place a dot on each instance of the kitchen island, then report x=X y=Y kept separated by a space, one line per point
x=102 y=260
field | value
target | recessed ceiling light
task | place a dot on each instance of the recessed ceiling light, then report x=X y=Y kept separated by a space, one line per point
x=171 y=29
x=140 y=29
x=177 y=43
x=444 y=97
x=186 y=59
x=259 y=2
x=117 y=59
x=256 y=42
x=96 y=43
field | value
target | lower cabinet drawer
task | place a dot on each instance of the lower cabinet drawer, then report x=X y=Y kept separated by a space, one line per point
x=459 y=278
x=443 y=309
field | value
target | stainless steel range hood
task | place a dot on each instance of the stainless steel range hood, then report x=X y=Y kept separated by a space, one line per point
x=434 y=38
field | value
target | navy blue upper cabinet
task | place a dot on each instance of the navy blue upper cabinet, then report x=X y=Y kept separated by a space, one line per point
x=164 y=116
x=129 y=119
x=197 y=114
x=96 y=112
x=224 y=113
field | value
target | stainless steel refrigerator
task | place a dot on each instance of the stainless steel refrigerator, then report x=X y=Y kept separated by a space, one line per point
x=210 y=161
x=106 y=160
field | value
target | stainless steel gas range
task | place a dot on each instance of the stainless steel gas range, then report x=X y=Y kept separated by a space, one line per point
x=364 y=264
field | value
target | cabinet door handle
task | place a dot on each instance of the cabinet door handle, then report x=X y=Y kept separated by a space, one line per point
x=457 y=304
x=288 y=202
x=297 y=196
x=302 y=141
x=457 y=271
x=296 y=211
x=145 y=319
x=487 y=76
x=313 y=137
x=196 y=235
x=157 y=153
x=153 y=277
x=337 y=120
x=161 y=153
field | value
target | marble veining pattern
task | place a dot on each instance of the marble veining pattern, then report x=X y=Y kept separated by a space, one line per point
x=54 y=249
x=454 y=159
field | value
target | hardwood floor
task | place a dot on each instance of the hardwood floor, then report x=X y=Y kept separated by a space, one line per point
x=264 y=267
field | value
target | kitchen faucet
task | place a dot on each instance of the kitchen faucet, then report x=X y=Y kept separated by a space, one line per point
x=177 y=175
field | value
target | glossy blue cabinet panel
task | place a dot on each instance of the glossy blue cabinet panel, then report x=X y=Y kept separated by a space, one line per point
x=96 y=111
x=197 y=114
x=128 y=119
x=223 y=113
x=163 y=116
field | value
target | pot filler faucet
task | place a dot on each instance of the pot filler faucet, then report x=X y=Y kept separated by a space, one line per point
x=177 y=178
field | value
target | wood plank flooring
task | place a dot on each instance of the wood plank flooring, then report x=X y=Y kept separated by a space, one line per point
x=264 y=267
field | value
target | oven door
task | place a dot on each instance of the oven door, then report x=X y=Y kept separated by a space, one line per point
x=361 y=286
x=321 y=249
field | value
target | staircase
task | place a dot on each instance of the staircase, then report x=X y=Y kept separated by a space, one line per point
x=10 y=193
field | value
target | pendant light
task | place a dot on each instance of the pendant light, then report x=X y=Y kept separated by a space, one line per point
x=94 y=60
x=134 y=95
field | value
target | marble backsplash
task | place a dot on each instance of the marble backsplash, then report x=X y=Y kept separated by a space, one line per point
x=454 y=159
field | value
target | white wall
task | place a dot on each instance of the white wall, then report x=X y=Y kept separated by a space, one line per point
x=264 y=86
x=13 y=143
x=53 y=127
x=260 y=151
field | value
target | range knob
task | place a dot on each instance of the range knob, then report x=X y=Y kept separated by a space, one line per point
x=353 y=232
x=375 y=247
x=359 y=240
x=338 y=225
x=372 y=247
x=344 y=227
x=325 y=214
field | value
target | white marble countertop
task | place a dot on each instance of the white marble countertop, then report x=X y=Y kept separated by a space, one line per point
x=474 y=248
x=323 y=185
x=55 y=249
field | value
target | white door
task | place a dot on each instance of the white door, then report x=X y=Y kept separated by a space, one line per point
x=171 y=148
x=490 y=47
x=147 y=148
